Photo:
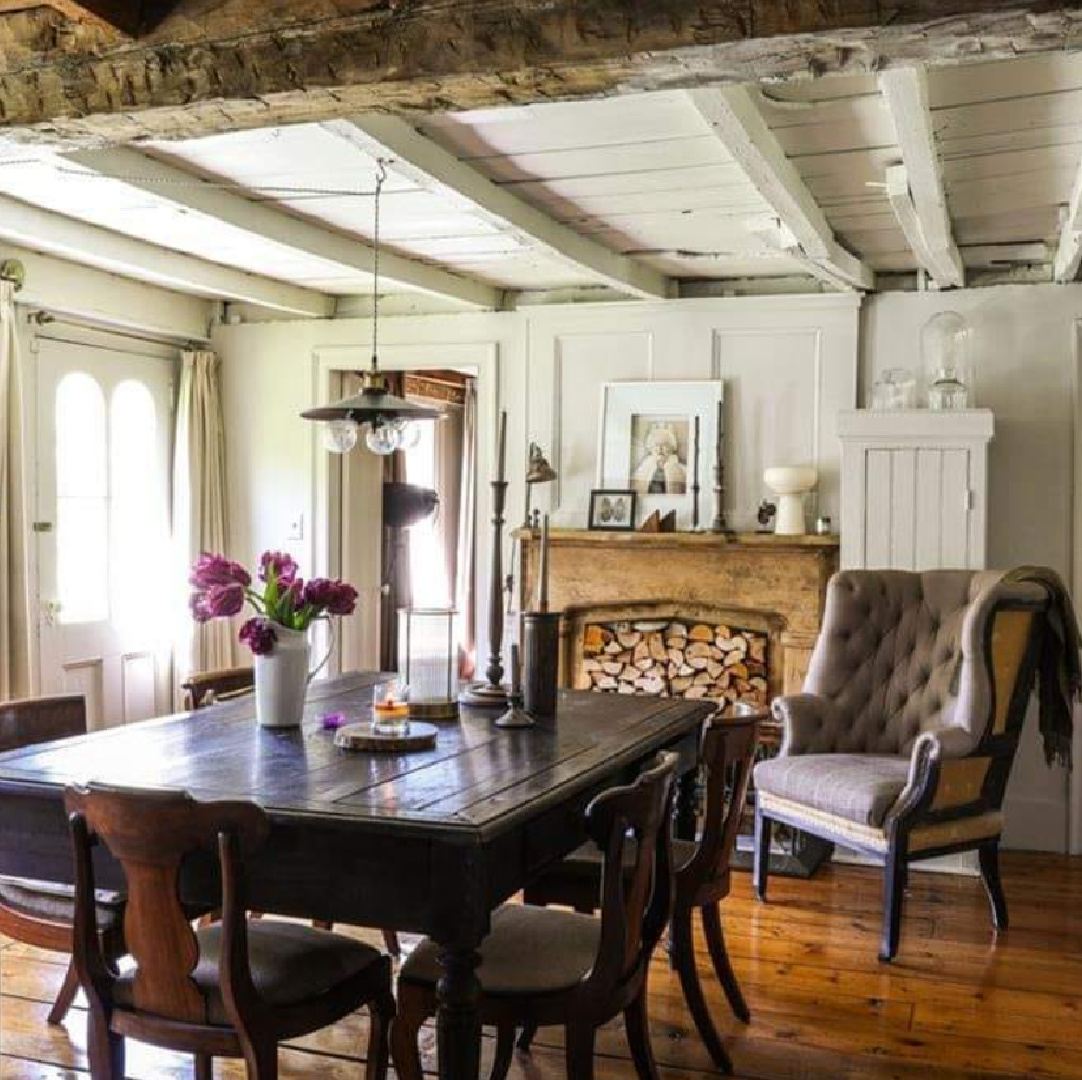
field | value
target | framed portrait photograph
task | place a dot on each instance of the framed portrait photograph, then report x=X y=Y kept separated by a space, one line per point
x=612 y=510
x=647 y=443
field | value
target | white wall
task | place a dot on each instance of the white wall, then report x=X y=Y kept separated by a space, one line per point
x=545 y=366
x=1024 y=362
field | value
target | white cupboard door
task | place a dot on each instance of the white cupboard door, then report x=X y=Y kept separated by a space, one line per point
x=917 y=509
x=104 y=432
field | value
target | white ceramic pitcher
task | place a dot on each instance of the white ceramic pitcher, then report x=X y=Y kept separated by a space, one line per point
x=282 y=678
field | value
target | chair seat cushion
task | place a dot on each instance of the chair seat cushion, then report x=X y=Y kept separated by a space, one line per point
x=529 y=950
x=290 y=964
x=56 y=903
x=857 y=787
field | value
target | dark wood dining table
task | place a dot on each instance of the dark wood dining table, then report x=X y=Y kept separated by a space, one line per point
x=430 y=841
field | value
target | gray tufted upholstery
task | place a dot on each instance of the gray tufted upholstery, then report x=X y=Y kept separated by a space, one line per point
x=899 y=654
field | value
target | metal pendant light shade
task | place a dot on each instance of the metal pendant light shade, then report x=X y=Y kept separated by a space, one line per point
x=372 y=404
x=386 y=415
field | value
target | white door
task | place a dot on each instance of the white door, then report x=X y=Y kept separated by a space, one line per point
x=104 y=433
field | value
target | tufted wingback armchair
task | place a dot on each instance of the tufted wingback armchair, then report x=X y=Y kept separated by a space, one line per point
x=901 y=744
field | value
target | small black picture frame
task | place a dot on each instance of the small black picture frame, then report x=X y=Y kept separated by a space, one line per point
x=612 y=510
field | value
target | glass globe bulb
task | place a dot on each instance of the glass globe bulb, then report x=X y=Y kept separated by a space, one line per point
x=340 y=436
x=382 y=439
x=409 y=434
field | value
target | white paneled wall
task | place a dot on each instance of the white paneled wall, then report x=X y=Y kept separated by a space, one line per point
x=789 y=365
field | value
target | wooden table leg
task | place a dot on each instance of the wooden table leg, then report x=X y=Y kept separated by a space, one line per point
x=458 y=1024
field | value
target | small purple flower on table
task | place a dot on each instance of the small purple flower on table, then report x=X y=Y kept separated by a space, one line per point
x=333 y=721
x=259 y=635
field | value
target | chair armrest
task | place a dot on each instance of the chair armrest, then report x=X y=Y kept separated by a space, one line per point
x=934 y=756
x=809 y=724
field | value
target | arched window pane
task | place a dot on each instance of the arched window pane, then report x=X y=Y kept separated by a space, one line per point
x=82 y=488
x=139 y=515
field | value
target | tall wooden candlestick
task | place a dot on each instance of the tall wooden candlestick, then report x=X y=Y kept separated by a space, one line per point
x=543 y=571
x=494 y=692
x=719 y=525
x=695 y=480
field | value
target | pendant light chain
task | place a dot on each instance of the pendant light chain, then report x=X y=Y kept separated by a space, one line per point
x=381 y=176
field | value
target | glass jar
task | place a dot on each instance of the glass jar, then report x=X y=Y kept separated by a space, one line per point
x=944 y=344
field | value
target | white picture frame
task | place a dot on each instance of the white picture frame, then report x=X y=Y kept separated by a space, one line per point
x=646 y=444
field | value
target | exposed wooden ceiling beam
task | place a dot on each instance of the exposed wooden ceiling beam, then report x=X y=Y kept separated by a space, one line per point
x=182 y=188
x=1069 y=251
x=915 y=188
x=241 y=63
x=90 y=245
x=734 y=117
x=431 y=167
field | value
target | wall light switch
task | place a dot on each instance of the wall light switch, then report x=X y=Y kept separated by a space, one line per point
x=296 y=528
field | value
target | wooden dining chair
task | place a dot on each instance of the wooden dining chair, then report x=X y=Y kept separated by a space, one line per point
x=204 y=688
x=546 y=967
x=726 y=753
x=234 y=989
x=40 y=913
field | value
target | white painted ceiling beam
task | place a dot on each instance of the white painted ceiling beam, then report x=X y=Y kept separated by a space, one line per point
x=1069 y=250
x=44 y=231
x=733 y=115
x=182 y=188
x=440 y=172
x=916 y=191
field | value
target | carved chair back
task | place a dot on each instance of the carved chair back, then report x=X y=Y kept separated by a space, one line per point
x=726 y=756
x=207 y=687
x=36 y=720
x=150 y=834
x=636 y=900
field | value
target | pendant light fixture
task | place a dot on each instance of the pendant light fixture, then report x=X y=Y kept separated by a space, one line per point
x=388 y=419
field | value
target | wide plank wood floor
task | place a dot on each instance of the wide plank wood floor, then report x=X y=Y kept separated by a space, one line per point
x=956 y=1004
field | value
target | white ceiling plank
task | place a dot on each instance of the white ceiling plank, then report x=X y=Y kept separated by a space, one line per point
x=905 y=91
x=438 y=170
x=735 y=118
x=182 y=188
x=1069 y=250
x=91 y=245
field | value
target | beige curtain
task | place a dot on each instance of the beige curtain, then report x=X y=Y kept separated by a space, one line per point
x=466 y=549
x=199 y=505
x=16 y=652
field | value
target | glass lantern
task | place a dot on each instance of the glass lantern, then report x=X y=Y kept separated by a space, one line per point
x=428 y=659
x=944 y=346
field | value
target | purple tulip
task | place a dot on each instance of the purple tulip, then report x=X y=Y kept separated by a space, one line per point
x=335 y=597
x=280 y=566
x=217 y=570
x=223 y=601
x=260 y=636
x=197 y=603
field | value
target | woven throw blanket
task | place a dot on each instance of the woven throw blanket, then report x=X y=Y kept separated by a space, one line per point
x=1059 y=668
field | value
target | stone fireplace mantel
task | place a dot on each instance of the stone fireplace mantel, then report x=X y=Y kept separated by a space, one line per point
x=757 y=580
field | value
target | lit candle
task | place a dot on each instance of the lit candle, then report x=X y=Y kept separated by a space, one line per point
x=543 y=573
x=501 y=449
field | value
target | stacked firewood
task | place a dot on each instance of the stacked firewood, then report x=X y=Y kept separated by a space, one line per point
x=674 y=658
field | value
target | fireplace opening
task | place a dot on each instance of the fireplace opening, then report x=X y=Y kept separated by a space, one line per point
x=677 y=657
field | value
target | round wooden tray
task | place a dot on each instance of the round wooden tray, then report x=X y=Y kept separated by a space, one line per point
x=362 y=737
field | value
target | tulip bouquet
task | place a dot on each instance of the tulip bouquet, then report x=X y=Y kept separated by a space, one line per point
x=281 y=599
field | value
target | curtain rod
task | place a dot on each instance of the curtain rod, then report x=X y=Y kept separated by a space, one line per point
x=43 y=317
